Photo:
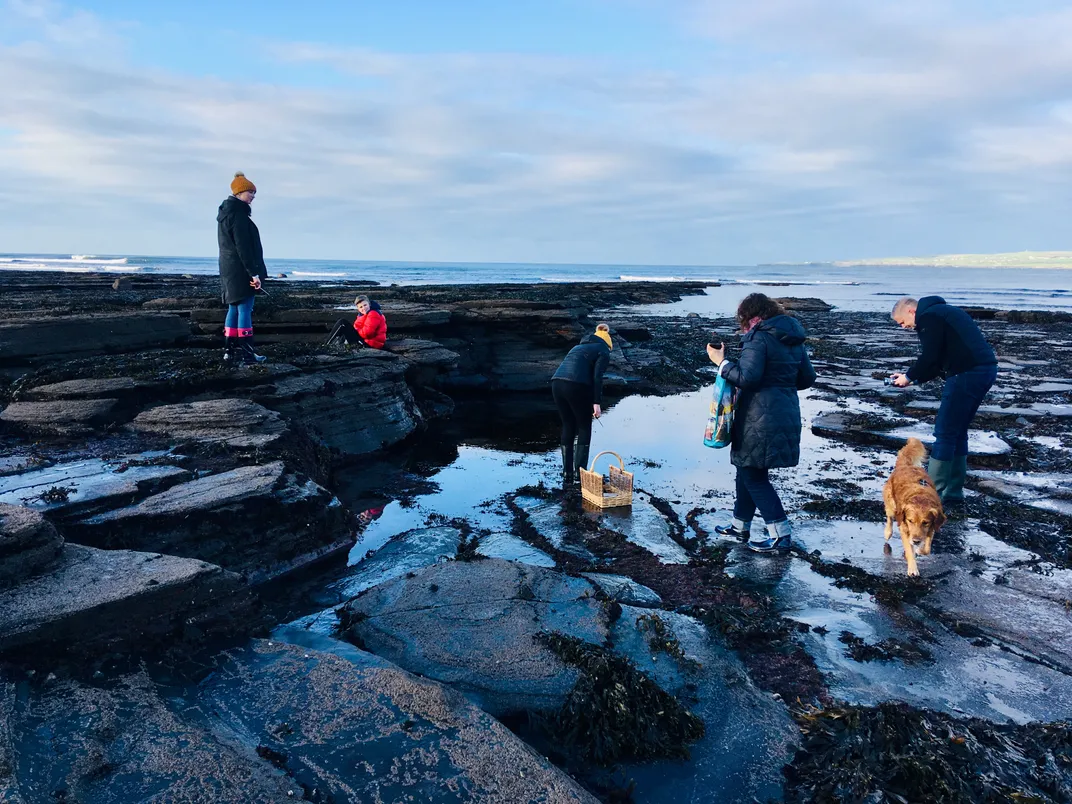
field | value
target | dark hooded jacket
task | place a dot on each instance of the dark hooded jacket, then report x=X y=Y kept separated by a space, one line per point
x=772 y=367
x=241 y=255
x=951 y=342
x=585 y=364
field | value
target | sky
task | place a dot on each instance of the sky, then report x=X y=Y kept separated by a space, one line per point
x=656 y=132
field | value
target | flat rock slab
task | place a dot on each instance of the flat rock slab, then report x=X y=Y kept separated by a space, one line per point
x=509 y=547
x=472 y=625
x=60 y=417
x=645 y=526
x=90 y=334
x=358 y=405
x=73 y=487
x=423 y=353
x=234 y=422
x=1022 y=612
x=981 y=444
x=1048 y=491
x=119 y=741
x=28 y=543
x=114 y=387
x=624 y=589
x=1031 y=411
x=93 y=600
x=1050 y=387
x=262 y=521
x=749 y=735
x=354 y=727
x=406 y=552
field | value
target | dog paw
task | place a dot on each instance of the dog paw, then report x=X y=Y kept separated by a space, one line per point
x=914 y=573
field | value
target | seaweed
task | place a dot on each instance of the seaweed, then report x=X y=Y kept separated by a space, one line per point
x=883 y=651
x=615 y=712
x=897 y=753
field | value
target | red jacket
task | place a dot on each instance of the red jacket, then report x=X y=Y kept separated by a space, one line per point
x=372 y=327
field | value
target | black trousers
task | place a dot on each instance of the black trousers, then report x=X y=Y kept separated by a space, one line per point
x=345 y=329
x=574 y=402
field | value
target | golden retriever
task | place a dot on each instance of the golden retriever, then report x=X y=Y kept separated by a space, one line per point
x=912 y=501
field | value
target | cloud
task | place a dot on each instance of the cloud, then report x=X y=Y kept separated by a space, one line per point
x=825 y=128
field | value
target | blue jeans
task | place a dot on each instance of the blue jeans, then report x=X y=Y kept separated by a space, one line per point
x=754 y=490
x=239 y=321
x=961 y=397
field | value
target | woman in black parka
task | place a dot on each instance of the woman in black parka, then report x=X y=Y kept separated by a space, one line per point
x=772 y=368
x=242 y=269
x=577 y=387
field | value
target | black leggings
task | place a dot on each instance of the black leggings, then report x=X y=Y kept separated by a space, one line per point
x=574 y=402
x=345 y=329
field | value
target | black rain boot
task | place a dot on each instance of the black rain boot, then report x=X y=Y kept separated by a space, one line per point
x=569 y=474
x=249 y=356
x=580 y=459
x=229 y=347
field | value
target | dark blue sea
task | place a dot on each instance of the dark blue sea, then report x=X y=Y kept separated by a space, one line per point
x=866 y=288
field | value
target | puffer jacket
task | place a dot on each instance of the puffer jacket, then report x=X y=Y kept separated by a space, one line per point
x=585 y=364
x=772 y=368
x=241 y=255
x=950 y=340
x=372 y=327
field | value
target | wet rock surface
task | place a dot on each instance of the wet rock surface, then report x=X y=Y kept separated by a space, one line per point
x=472 y=625
x=711 y=652
x=28 y=543
x=262 y=521
x=90 y=601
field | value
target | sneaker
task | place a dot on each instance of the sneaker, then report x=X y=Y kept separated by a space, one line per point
x=771 y=544
x=779 y=539
x=733 y=531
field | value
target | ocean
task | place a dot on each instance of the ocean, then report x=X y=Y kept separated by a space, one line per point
x=859 y=288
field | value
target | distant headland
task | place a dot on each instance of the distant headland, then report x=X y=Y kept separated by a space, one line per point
x=1012 y=259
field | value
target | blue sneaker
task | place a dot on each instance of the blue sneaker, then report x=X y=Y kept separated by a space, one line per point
x=737 y=529
x=779 y=539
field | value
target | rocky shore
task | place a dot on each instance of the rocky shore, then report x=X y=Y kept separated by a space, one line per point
x=348 y=575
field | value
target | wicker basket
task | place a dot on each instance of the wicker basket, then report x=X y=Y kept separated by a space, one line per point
x=607 y=492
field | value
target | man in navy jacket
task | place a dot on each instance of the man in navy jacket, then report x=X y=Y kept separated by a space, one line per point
x=951 y=345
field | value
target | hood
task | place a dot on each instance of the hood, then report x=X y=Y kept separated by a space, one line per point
x=374 y=305
x=592 y=338
x=926 y=303
x=784 y=328
x=233 y=206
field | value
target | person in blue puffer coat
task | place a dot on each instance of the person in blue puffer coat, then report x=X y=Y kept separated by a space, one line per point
x=772 y=369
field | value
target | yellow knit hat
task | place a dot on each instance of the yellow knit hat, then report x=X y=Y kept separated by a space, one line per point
x=603 y=331
x=241 y=184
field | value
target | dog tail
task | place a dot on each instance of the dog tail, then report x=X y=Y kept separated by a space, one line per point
x=912 y=454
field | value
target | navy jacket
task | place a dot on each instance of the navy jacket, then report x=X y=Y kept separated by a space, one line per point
x=950 y=340
x=772 y=368
x=241 y=255
x=585 y=364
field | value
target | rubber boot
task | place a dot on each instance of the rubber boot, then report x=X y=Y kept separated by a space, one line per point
x=779 y=538
x=737 y=529
x=229 y=347
x=580 y=459
x=942 y=473
x=569 y=474
x=249 y=356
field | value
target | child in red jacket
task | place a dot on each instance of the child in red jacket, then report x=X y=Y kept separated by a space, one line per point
x=369 y=328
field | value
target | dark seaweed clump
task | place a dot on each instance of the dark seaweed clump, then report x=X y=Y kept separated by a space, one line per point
x=615 y=712
x=896 y=753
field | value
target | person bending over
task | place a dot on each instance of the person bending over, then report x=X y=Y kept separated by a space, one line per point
x=577 y=387
x=772 y=368
x=952 y=345
x=369 y=328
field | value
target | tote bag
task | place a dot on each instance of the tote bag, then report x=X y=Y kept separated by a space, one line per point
x=720 y=421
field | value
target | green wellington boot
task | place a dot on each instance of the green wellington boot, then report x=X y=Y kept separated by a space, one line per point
x=581 y=459
x=569 y=474
x=948 y=477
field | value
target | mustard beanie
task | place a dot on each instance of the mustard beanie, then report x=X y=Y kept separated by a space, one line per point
x=241 y=184
x=603 y=332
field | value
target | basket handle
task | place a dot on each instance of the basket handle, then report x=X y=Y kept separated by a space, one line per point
x=621 y=463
